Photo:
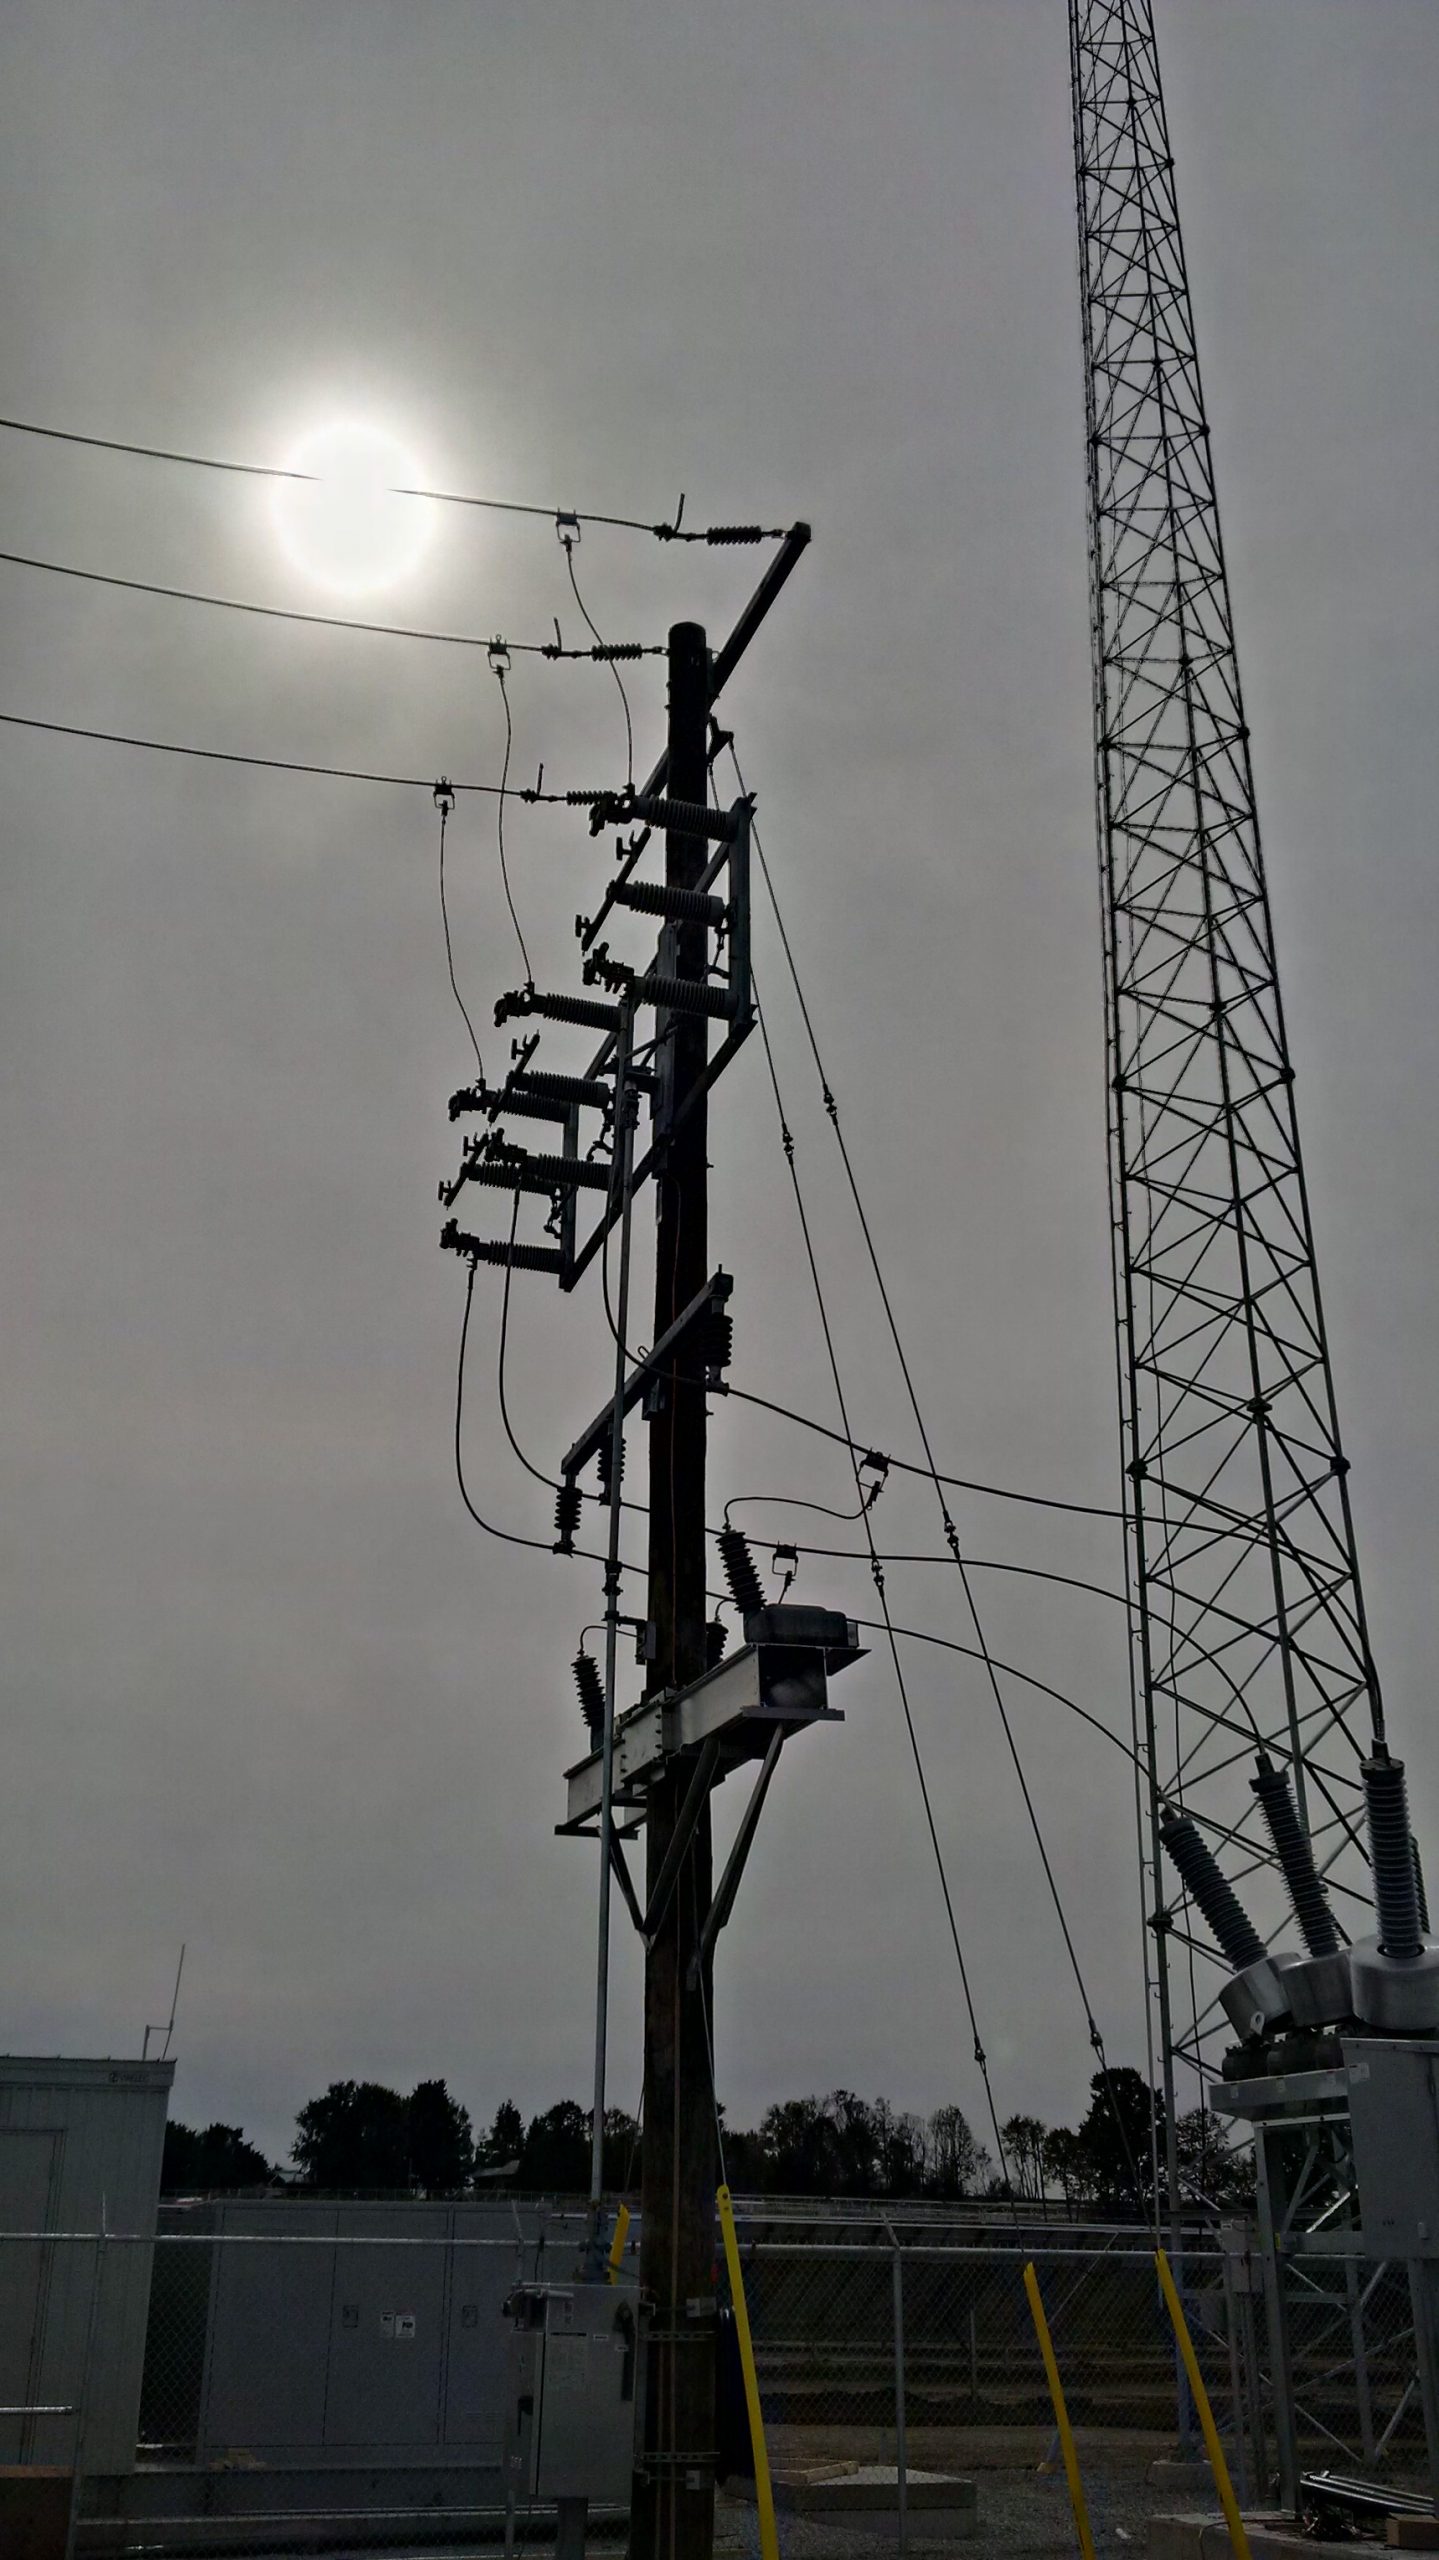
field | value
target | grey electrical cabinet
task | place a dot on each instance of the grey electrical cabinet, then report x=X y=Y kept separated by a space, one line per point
x=1394 y=2111
x=574 y=2385
x=81 y=2144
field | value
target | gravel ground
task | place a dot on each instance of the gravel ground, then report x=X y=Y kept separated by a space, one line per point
x=1023 y=2508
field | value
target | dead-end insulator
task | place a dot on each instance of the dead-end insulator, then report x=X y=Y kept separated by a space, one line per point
x=1216 y=1897
x=568 y=1499
x=585 y=1010
x=676 y=817
x=512 y=1169
x=725 y=534
x=592 y=1695
x=518 y=1257
x=746 y=1589
x=1296 y=1857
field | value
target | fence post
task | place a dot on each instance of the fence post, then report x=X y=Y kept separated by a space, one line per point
x=901 y=2462
x=83 y=2411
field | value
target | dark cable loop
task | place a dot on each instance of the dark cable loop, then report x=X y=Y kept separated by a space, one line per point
x=567 y=544
x=445 y=801
x=500 y=817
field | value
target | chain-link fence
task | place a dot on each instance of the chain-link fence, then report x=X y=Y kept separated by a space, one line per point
x=306 y=2376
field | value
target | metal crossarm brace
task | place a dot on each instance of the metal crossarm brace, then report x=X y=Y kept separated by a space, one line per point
x=696 y=1798
x=708 y=1301
x=729 y=1883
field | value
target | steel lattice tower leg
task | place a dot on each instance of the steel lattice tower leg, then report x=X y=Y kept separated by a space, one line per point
x=1247 y=1620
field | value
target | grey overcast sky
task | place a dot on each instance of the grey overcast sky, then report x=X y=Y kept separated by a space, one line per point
x=266 y=1689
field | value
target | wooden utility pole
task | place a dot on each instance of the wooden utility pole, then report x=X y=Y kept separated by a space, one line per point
x=674 y=2486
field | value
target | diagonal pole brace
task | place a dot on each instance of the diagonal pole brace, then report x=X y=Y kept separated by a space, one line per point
x=695 y=1800
x=723 y=1903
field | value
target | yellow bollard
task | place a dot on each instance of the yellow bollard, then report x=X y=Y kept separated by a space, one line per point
x=1212 y=2445
x=617 y=2245
x=1061 y=2415
x=764 y=2494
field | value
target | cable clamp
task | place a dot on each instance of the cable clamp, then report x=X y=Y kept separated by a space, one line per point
x=567 y=529
x=499 y=657
x=444 y=796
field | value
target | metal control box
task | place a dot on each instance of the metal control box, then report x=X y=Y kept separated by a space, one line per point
x=574 y=2388
x=1394 y=2111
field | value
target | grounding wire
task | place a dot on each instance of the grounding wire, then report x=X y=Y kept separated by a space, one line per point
x=328 y=621
x=567 y=543
x=444 y=808
x=877 y=1575
x=500 y=816
x=950 y=1531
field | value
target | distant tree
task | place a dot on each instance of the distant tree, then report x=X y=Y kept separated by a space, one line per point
x=856 y=2143
x=1024 y=2149
x=555 y=2155
x=901 y=2150
x=958 y=2165
x=799 y=2142
x=1211 y=2170
x=623 y=2147
x=208 y=2162
x=1118 y=2138
x=441 y=2145
x=1066 y=2165
x=499 y=2149
x=356 y=2135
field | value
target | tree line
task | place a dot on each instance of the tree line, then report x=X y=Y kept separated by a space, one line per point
x=359 y=2136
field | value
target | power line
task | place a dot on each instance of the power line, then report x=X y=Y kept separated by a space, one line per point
x=265 y=764
x=909 y=1466
x=950 y=1531
x=877 y=1572
x=601 y=652
x=719 y=535
x=497 y=662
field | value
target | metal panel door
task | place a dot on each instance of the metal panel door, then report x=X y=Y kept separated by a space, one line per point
x=387 y=2340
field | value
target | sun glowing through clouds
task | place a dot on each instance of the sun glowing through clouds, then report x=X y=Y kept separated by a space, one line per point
x=346 y=529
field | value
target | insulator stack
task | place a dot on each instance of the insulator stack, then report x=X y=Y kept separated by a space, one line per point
x=520 y=1257
x=567 y=1516
x=717 y=1340
x=746 y=1588
x=683 y=995
x=676 y=817
x=592 y=1695
x=1227 y=1918
x=513 y=1170
x=1420 y=1896
x=1295 y=1853
x=1396 y=1897
x=714 y=1644
x=584 y=1010
x=603 y=1463
x=681 y=906
x=510 y=1097
x=553 y=1088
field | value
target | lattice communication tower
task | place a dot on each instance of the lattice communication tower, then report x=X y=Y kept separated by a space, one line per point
x=1248 y=1634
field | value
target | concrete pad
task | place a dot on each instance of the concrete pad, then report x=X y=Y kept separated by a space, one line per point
x=1206 y=2537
